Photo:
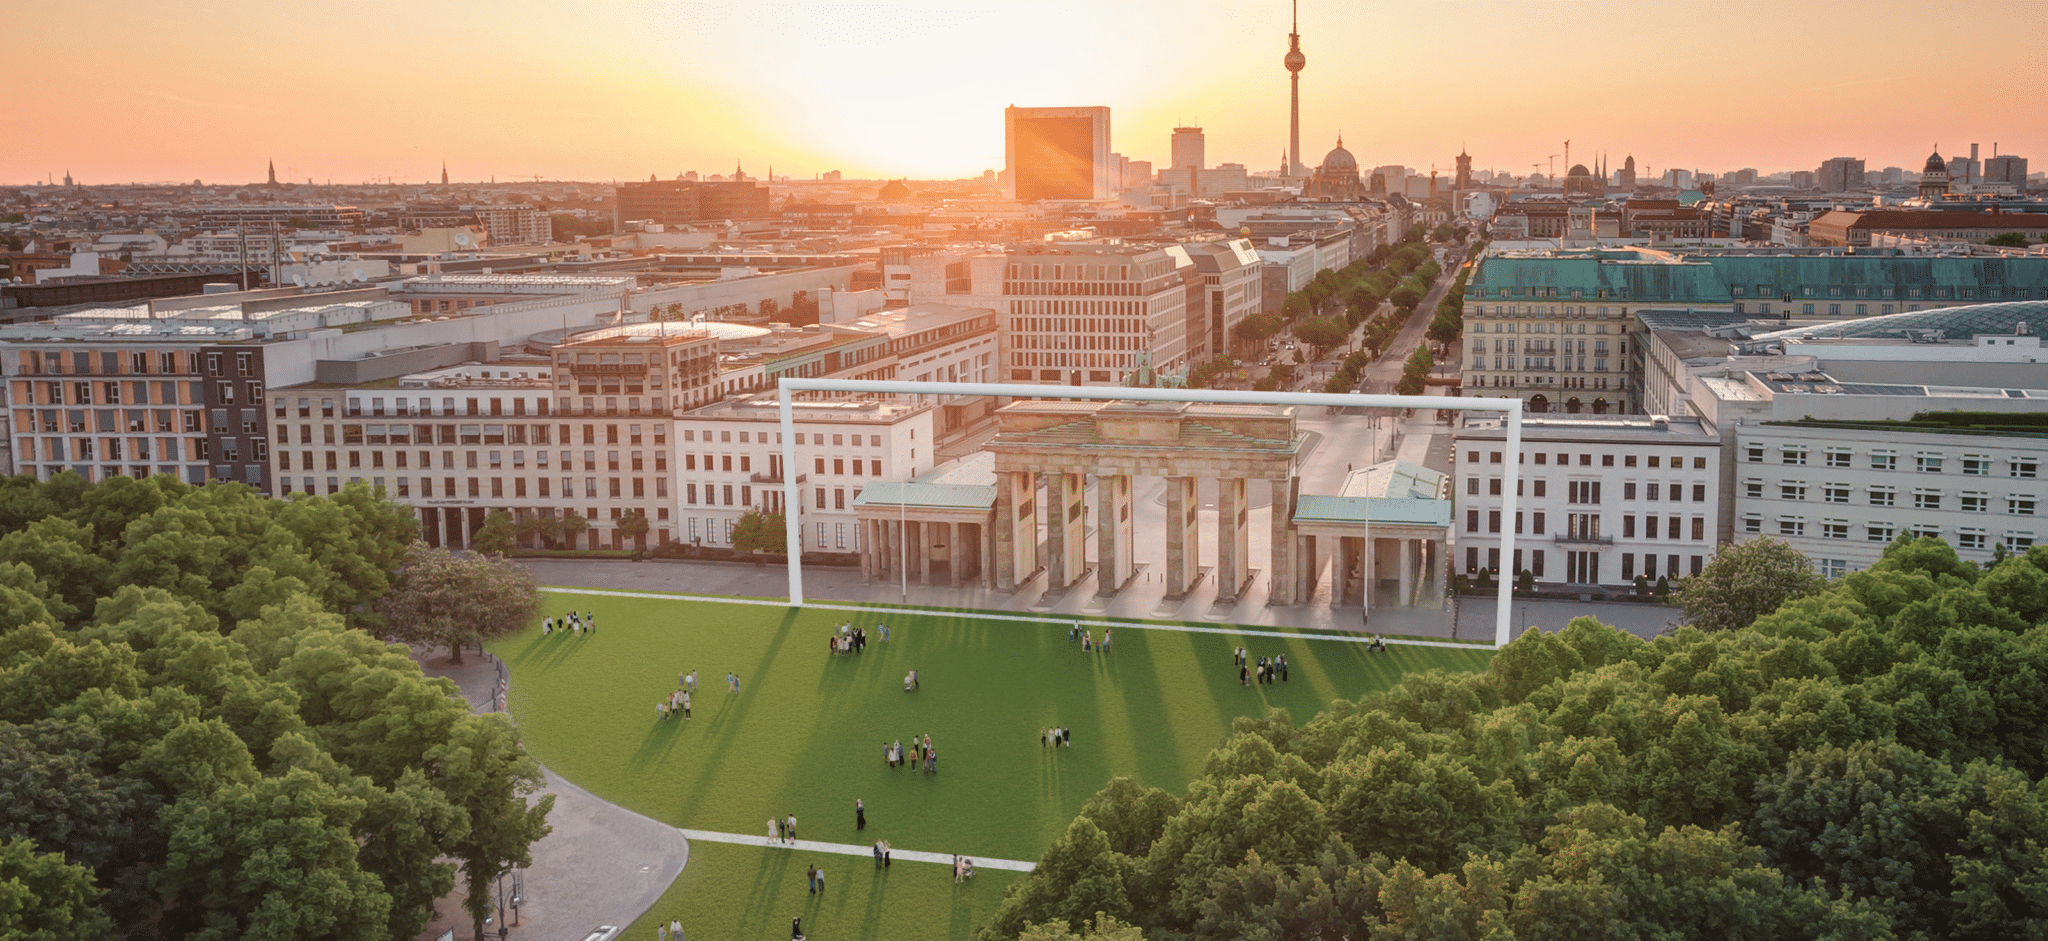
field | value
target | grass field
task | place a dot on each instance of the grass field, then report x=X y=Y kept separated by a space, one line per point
x=804 y=736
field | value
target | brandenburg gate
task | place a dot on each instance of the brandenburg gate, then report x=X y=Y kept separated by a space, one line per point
x=1066 y=441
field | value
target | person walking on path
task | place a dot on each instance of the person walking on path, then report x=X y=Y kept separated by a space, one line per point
x=789 y=829
x=860 y=814
x=774 y=835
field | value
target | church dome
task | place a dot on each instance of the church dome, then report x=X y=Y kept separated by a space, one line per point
x=1579 y=169
x=1935 y=163
x=1340 y=159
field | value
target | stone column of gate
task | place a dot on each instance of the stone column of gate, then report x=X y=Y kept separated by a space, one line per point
x=1066 y=530
x=1182 y=537
x=1304 y=569
x=1010 y=496
x=1113 y=533
x=1280 y=579
x=1407 y=571
x=924 y=552
x=1233 y=538
x=956 y=556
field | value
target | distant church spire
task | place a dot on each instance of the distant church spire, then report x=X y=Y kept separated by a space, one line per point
x=444 y=173
x=273 y=173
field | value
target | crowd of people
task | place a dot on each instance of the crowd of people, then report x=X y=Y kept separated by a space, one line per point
x=1087 y=638
x=1263 y=670
x=847 y=638
x=1057 y=735
x=571 y=623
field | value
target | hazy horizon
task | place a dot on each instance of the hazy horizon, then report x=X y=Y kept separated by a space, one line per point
x=349 y=93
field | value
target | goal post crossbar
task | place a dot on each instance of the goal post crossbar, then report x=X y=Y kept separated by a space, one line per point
x=793 y=501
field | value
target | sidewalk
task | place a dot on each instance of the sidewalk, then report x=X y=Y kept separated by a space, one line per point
x=601 y=865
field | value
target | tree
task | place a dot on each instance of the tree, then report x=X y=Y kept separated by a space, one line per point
x=488 y=776
x=574 y=525
x=760 y=532
x=44 y=898
x=633 y=525
x=1258 y=328
x=449 y=600
x=1323 y=333
x=2007 y=240
x=1745 y=581
x=1444 y=329
x=497 y=536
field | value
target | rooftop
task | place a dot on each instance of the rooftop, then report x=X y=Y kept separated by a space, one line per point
x=1966 y=321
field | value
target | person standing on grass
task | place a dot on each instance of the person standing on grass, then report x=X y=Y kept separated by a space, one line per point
x=860 y=814
x=692 y=684
x=821 y=881
x=811 y=879
x=686 y=704
x=1244 y=675
x=675 y=930
x=1105 y=640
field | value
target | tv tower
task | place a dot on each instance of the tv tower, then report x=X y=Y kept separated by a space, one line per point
x=1295 y=62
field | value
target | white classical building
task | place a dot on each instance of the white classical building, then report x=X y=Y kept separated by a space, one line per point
x=1840 y=491
x=729 y=461
x=1603 y=498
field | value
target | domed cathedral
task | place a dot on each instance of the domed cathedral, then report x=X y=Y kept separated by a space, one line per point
x=1934 y=177
x=1337 y=177
x=1581 y=182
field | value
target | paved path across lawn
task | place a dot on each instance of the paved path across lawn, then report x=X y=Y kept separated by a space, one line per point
x=600 y=865
x=854 y=849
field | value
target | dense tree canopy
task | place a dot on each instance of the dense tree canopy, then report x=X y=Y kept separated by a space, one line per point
x=450 y=599
x=189 y=716
x=1867 y=761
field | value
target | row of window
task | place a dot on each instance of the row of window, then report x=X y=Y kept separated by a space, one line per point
x=474 y=460
x=1590 y=493
x=401 y=434
x=1675 y=461
x=129 y=449
x=1923 y=498
x=167 y=363
x=1586 y=526
x=1583 y=567
x=495 y=487
x=1967 y=537
x=1881 y=459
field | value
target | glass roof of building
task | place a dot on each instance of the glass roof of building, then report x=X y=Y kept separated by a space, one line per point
x=1954 y=322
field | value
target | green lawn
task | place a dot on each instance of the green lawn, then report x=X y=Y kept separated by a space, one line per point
x=805 y=735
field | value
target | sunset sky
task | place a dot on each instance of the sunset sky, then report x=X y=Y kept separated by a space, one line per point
x=118 y=92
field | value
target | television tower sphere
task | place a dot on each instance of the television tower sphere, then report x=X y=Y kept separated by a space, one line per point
x=1295 y=60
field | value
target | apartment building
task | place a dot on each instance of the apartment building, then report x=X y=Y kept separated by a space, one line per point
x=1601 y=500
x=135 y=404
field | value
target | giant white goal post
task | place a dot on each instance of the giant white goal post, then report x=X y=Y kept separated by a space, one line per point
x=793 y=499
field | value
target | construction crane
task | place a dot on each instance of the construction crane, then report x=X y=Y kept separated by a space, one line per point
x=1553 y=166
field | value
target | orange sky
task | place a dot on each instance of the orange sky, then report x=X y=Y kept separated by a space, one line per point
x=352 y=91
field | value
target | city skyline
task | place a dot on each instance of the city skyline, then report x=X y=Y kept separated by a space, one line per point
x=375 y=90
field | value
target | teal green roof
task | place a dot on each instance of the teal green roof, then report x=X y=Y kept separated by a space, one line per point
x=933 y=496
x=1309 y=508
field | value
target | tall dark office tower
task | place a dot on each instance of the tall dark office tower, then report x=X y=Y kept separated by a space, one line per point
x=1058 y=153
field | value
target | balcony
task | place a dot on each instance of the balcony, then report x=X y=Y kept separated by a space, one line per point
x=760 y=478
x=1566 y=539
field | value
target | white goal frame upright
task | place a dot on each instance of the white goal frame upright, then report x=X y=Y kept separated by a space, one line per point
x=793 y=499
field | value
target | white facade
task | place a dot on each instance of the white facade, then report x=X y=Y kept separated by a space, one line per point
x=729 y=461
x=1841 y=493
x=1603 y=500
